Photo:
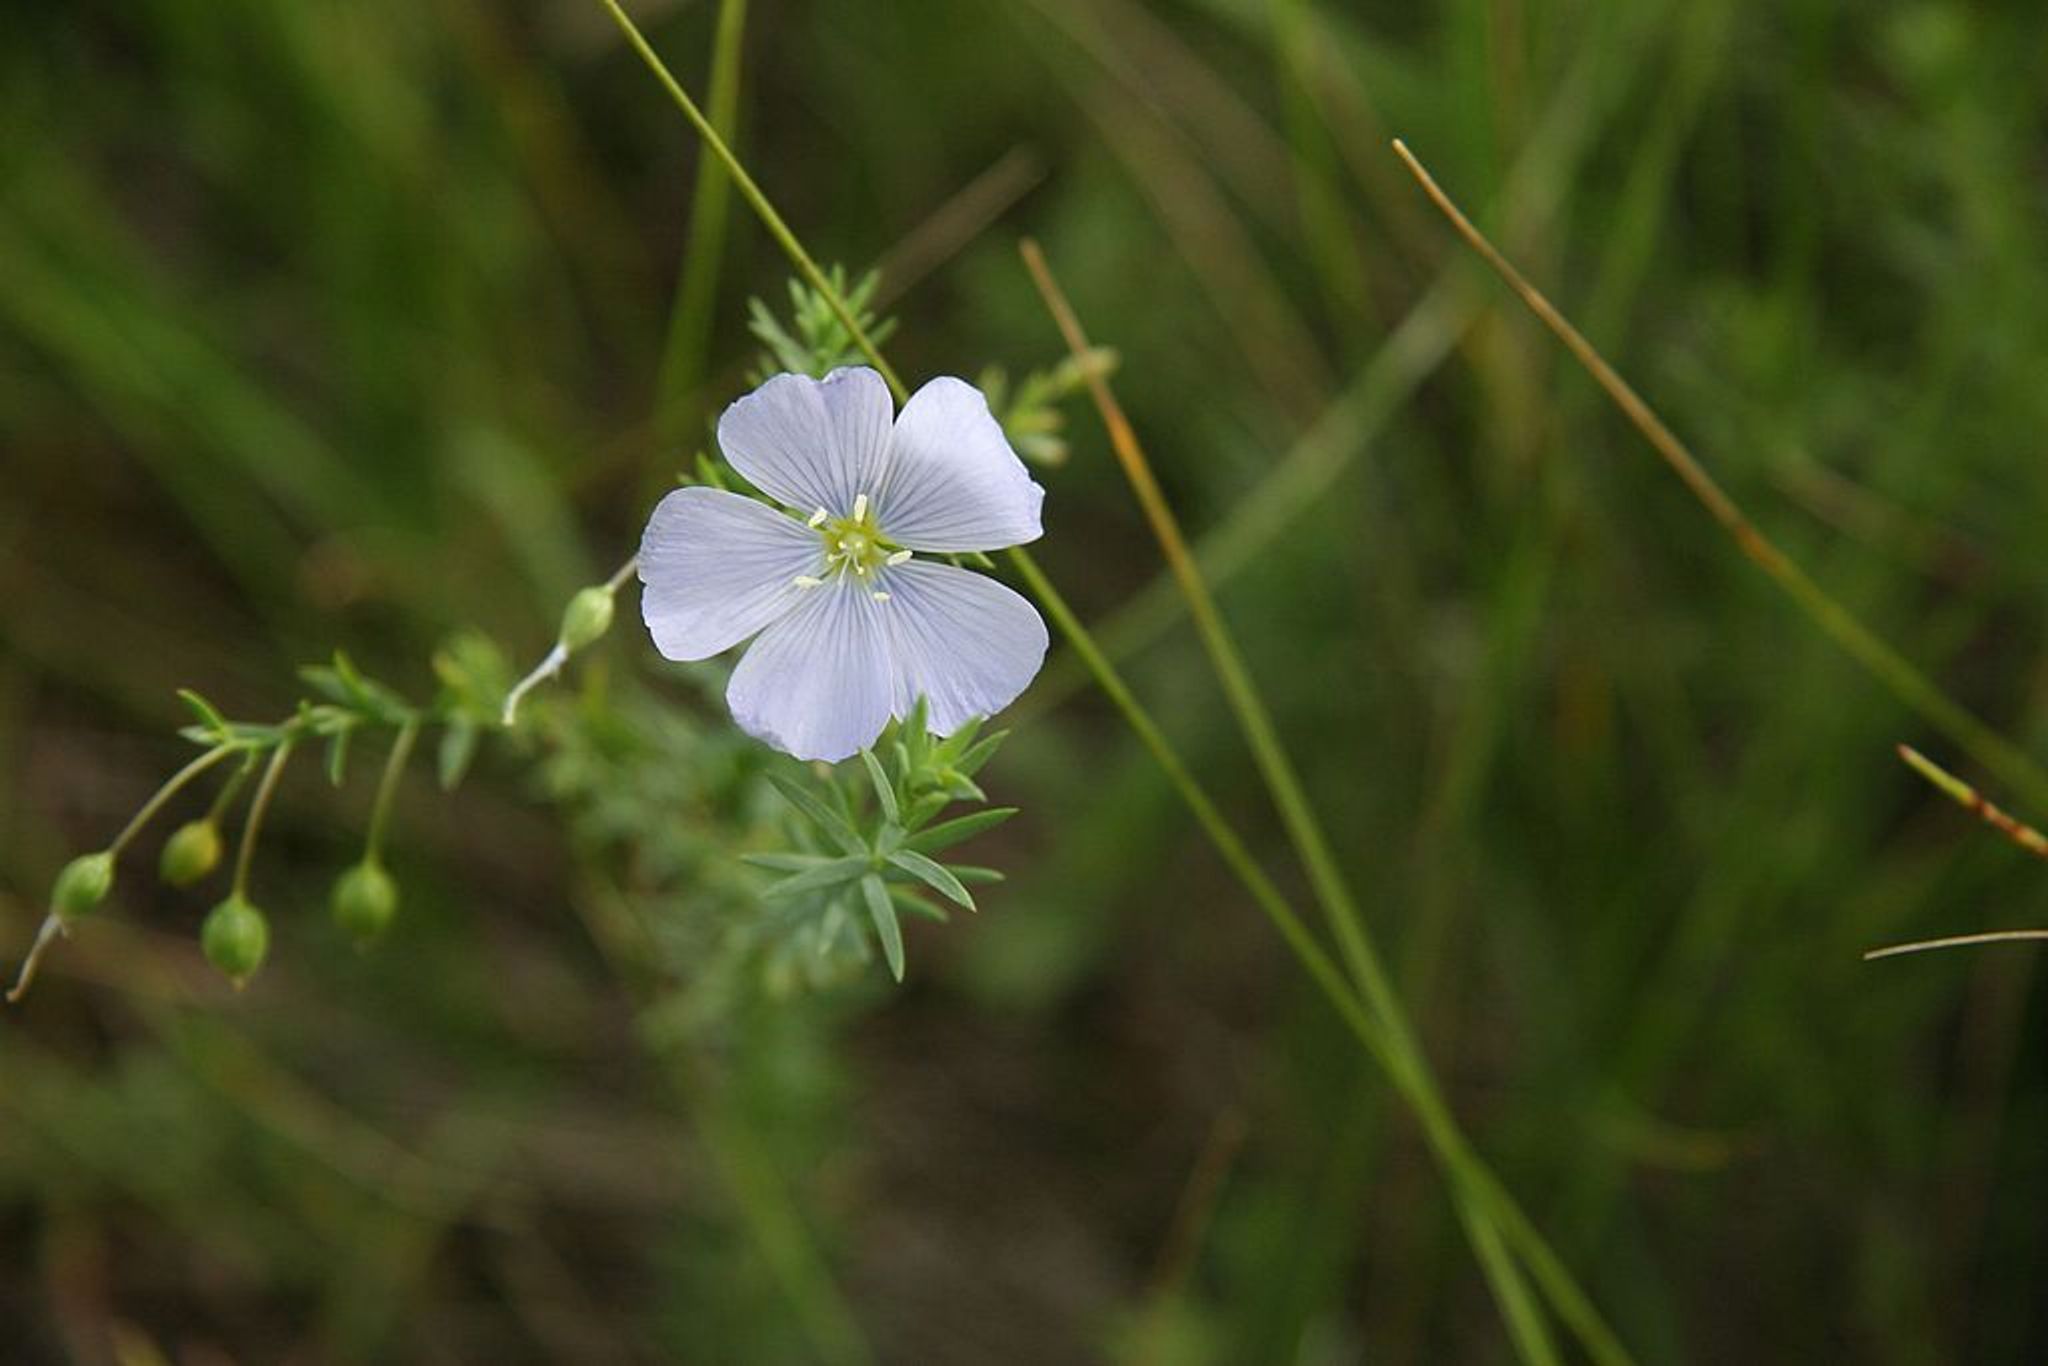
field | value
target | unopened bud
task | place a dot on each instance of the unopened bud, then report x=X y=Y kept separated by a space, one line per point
x=82 y=886
x=235 y=937
x=192 y=851
x=588 y=616
x=364 y=901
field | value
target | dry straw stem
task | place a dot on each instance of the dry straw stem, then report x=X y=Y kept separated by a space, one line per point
x=1913 y=688
x=1488 y=1212
x=1970 y=799
x=2018 y=831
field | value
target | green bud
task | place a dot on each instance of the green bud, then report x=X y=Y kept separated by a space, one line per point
x=589 y=615
x=192 y=851
x=364 y=900
x=82 y=886
x=235 y=938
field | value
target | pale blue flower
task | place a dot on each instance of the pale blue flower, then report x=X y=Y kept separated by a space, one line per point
x=852 y=627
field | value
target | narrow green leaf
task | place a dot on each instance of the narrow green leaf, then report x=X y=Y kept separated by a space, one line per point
x=327 y=683
x=908 y=900
x=885 y=791
x=458 y=747
x=820 y=815
x=933 y=875
x=971 y=762
x=788 y=863
x=345 y=670
x=957 y=743
x=337 y=755
x=963 y=788
x=209 y=716
x=924 y=808
x=835 y=873
x=946 y=834
x=882 y=911
x=968 y=872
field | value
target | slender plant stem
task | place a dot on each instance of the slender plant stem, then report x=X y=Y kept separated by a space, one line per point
x=621 y=574
x=1914 y=689
x=172 y=786
x=1975 y=802
x=2014 y=829
x=1958 y=941
x=756 y=200
x=557 y=657
x=225 y=798
x=253 y=826
x=689 y=330
x=775 y=1226
x=53 y=925
x=1435 y=1119
x=387 y=787
x=1477 y=1199
x=1296 y=812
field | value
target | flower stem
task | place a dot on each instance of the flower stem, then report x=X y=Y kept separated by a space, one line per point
x=225 y=798
x=387 y=786
x=254 y=823
x=172 y=786
x=756 y=200
x=2000 y=756
x=557 y=656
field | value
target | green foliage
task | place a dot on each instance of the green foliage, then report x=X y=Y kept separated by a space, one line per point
x=861 y=841
x=333 y=325
x=1031 y=416
x=815 y=341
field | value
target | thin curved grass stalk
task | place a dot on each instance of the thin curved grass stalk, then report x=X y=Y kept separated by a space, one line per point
x=1957 y=941
x=2006 y=824
x=759 y=202
x=1322 y=969
x=53 y=926
x=1412 y=1075
x=1523 y=1317
x=1915 y=690
x=1970 y=799
x=689 y=328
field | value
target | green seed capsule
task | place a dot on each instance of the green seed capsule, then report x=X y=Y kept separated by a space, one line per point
x=191 y=852
x=235 y=937
x=364 y=901
x=589 y=615
x=82 y=886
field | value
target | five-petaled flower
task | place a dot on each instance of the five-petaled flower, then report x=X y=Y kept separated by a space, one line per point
x=852 y=627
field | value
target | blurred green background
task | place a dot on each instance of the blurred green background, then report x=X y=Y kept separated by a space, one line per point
x=342 y=323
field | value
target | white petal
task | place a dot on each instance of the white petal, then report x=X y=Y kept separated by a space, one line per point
x=965 y=642
x=817 y=684
x=811 y=443
x=953 y=483
x=718 y=568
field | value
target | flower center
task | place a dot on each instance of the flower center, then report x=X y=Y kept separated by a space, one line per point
x=854 y=544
